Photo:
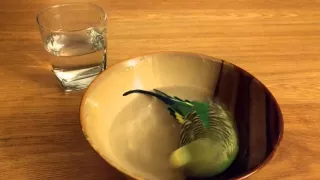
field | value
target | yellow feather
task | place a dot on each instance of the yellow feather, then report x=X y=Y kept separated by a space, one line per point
x=179 y=118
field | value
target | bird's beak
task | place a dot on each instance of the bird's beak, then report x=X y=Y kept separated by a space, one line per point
x=180 y=157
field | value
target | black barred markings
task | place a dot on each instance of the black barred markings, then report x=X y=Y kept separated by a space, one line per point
x=233 y=90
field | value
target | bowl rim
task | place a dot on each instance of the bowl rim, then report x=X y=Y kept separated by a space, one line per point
x=210 y=58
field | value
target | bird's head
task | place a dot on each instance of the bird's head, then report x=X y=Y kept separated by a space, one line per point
x=198 y=151
x=199 y=158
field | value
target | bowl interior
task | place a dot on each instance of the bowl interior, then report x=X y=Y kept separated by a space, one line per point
x=136 y=134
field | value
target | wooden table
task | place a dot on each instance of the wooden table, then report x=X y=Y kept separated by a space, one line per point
x=277 y=41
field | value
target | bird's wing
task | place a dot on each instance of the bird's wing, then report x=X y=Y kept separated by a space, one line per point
x=192 y=129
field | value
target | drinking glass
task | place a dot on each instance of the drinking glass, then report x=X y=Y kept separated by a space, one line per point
x=75 y=37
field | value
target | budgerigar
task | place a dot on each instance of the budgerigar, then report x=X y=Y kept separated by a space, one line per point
x=208 y=138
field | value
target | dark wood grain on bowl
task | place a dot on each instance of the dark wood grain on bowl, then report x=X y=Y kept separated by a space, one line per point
x=257 y=116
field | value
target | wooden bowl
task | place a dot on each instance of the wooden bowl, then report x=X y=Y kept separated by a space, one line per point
x=136 y=134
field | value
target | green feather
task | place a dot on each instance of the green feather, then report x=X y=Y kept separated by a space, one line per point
x=177 y=107
x=202 y=110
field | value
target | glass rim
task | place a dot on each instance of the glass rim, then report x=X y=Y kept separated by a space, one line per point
x=70 y=4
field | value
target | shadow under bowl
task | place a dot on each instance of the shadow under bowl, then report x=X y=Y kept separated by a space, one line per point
x=136 y=134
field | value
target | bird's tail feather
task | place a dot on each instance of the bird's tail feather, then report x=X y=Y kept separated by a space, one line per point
x=178 y=116
x=178 y=108
x=160 y=95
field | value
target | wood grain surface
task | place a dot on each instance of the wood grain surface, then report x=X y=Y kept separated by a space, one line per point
x=277 y=41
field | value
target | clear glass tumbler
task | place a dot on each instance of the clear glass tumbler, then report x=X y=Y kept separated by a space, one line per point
x=75 y=37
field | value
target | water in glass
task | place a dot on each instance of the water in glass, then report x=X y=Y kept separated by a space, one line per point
x=77 y=57
x=75 y=37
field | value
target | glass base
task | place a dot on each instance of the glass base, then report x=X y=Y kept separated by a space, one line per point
x=77 y=79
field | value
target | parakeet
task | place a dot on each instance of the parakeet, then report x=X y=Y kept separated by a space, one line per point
x=208 y=136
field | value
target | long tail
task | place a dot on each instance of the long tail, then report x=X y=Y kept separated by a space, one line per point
x=162 y=96
x=177 y=107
